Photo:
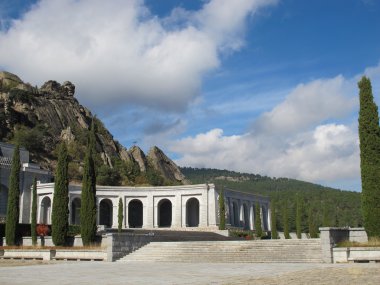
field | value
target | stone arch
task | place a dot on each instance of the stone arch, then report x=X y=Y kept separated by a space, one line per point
x=105 y=212
x=3 y=200
x=135 y=214
x=192 y=212
x=246 y=217
x=75 y=211
x=45 y=210
x=164 y=213
x=235 y=214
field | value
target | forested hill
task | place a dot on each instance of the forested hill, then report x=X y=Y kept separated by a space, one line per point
x=330 y=207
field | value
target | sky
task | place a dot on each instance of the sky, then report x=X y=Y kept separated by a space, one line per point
x=259 y=86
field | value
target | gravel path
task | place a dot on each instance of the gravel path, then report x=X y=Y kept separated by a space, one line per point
x=38 y=272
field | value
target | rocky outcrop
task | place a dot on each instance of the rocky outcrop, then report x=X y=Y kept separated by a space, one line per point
x=164 y=165
x=55 y=114
x=139 y=156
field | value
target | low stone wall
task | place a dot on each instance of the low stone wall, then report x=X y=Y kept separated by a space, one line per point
x=119 y=245
x=111 y=247
x=54 y=254
x=331 y=236
x=47 y=241
x=356 y=254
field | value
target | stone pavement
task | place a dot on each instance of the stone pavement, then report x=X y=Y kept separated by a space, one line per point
x=186 y=273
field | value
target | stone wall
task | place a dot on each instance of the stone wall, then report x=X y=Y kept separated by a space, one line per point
x=119 y=245
x=330 y=237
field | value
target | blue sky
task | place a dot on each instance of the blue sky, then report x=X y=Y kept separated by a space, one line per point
x=258 y=86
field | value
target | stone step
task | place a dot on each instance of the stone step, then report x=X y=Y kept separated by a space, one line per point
x=230 y=251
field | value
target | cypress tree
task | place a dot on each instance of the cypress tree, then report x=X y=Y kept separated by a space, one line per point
x=88 y=197
x=258 y=228
x=286 y=220
x=13 y=199
x=222 y=212
x=312 y=224
x=273 y=220
x=298 y=217
x=33 y=222
x=369 y=136
x=120 y=216
x=60 y=212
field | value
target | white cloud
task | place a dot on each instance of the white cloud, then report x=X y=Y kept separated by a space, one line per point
x=295 y=139
x=117 y=51
x=309 y=104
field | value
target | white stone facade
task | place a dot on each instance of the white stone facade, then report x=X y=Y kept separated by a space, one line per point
x=174 y=207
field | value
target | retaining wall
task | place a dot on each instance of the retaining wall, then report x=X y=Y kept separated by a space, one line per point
x=331 y=236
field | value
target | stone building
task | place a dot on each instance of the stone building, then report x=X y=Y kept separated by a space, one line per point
x=175 y=207
x=28 y=172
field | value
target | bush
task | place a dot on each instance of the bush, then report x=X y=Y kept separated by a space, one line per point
x=74 y=230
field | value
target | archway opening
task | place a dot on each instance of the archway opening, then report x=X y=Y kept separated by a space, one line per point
x=105 y=212
x=236 y=214
x=45 y=211
x=264 y=213
x=135 y=214
x=246 y=217
x=192 y=212
x=75 y=211
x=3 y=200
x=164 y=213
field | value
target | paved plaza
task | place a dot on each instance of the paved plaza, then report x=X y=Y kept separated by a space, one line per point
x=32 y=272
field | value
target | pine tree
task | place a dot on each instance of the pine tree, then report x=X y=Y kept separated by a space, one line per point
x=13 y=199
x=286 y=220
x=258 y=228
x=273 y=220
x=369 y=136
x=325 y=216
x=88 y=197
x=120 y=216
x=60 y=212
x=222 y=212
x=33 y=222
x=298 y=216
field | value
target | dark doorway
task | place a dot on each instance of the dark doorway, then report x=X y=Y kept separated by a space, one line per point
x=105 y=212
x=236 y=214
x=3 y=200
x=45 y=210
x=246 y=217
x=164 y=213
x=192 y=212
x=75 y=211
x=135 y=214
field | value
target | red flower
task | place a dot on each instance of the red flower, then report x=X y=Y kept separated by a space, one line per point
x=42 y=230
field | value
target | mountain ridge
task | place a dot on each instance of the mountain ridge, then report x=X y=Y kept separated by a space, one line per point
x=40 y=118
x=329 y=206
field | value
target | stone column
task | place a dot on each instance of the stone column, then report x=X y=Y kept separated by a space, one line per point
x=183 y=211
x=251 y=216
x=148 y=212
x=176 y=211
x=268 y=219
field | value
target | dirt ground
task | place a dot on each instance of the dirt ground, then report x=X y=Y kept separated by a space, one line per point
x=356 y=274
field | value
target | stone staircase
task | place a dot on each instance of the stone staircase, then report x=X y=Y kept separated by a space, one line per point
x=300 y=251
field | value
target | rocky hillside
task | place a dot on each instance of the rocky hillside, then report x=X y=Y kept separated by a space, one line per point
x=40 y=118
